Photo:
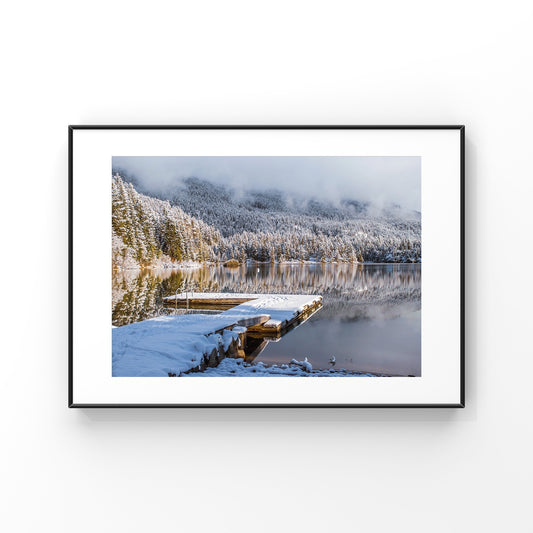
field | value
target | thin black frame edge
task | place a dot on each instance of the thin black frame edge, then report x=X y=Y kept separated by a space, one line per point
x=70 y=265
x=264 y=406
x=462 y=141
x=263 y=127
x=462 y=402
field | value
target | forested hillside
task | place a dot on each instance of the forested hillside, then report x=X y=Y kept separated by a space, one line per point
x=197 y=220
x=148 y=231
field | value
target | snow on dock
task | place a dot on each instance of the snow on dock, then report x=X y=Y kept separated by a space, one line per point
x=171 y=345
x=281 y=308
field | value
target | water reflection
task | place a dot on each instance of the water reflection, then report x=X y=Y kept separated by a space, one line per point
x=138 y=295
x=370 y=320
x=380 y=341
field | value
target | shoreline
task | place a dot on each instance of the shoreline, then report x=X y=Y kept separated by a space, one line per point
x=195 y=265
x=232 y=367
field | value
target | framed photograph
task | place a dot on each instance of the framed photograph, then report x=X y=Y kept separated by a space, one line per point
x=266 y=266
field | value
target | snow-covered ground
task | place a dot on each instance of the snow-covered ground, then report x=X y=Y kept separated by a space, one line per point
x=167 y=344
x=176 y=344
x=238 y=368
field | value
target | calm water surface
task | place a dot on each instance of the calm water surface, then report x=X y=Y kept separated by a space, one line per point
x=370 y=319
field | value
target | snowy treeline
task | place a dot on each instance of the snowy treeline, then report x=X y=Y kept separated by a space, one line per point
x=201 y=221
x=349 y=241
x=148 y=231
x=270 y=226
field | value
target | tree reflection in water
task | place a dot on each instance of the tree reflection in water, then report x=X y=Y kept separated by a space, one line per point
x=349 y=291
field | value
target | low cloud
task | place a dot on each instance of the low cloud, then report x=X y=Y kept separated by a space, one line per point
x=378 y=180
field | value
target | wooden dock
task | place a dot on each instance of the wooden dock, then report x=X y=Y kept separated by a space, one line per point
x=172 y=345
x=276 y=330
x=269 y=320
x=198 y=301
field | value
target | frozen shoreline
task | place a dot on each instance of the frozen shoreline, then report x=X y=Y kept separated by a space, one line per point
x=238 y=368
x=191 y=265
x=171 y=345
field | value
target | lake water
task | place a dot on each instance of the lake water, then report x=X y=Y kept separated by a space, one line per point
x=370 y=319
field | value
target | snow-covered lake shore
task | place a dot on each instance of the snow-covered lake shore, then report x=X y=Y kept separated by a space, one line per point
x=239 y=368
x=192 y=265
x=172 y=345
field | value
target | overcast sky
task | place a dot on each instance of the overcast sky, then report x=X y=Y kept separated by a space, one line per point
x=380 y=180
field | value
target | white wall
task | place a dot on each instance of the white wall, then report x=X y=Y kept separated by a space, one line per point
x=275 y=62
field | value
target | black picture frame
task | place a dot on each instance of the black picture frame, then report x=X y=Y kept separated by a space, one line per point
x=71 y=244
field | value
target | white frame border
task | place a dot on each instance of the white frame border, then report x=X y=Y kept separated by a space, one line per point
x=442 y=150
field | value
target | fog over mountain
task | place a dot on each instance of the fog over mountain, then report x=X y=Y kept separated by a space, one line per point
x=380 y=181
x=197 y=220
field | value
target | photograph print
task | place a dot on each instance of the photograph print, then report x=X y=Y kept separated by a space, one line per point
x=307 y=267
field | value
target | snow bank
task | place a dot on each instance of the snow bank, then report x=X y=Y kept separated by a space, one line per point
x=238 y=368
x=170 y=344
x=174 y=344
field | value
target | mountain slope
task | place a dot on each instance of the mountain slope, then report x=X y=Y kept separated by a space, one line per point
x=269 y=226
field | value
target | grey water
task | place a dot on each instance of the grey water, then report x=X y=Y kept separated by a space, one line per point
x=370 y=320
